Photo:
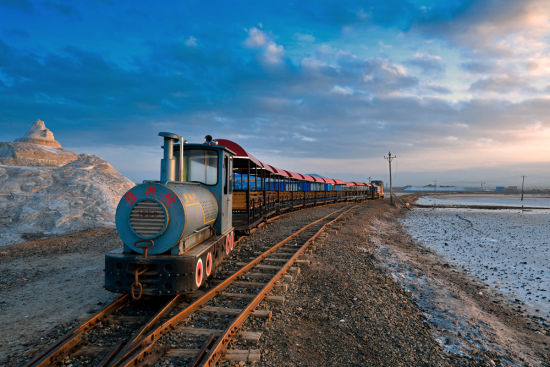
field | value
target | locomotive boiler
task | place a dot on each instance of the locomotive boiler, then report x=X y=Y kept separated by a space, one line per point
x=176 y=230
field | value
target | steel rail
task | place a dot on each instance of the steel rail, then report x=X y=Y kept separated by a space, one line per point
x=146 y=347
x=278 y=216
x=220 y=346
x=69 y=340
x=122 y=349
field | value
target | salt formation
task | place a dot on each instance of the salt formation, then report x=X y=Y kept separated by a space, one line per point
x=39 y=134
x=46 y=190
x=37 y=148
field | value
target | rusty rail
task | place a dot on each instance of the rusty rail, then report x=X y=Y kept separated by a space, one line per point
x=147 y=349
x=121 y=349
x=65 y=343
x=221 y=345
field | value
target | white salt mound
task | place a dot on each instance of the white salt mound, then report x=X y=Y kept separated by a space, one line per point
x=46 y=190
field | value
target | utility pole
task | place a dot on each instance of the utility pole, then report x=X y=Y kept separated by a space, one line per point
x=389 y=158
x=522 y=182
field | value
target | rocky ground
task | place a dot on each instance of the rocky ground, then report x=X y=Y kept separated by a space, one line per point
x=345 y=308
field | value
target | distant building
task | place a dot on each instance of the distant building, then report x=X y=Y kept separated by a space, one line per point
x=432 y=188
x=506 y=189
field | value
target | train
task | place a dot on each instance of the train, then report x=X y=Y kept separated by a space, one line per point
x=177 y=230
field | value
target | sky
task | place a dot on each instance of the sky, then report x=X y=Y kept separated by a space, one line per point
x=458 y=90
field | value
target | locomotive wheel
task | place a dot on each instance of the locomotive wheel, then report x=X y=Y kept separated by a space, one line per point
x=232 y=239
x=208 y=266
x=198 y=273
x=227 y=245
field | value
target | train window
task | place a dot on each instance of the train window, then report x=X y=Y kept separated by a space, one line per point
x=202 y=166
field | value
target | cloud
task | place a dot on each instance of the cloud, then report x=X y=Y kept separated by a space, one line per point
x=304 y=37
x=191 y=41
x=495 y=28
x=312 y=63
x=428 y=64
x=478 y=67
x=345 y=91
x=381 y=75
x=436 y=88
x=77 y=87
x=272 y=53
x=256 y=38
x=282 y=93
x=501 y=84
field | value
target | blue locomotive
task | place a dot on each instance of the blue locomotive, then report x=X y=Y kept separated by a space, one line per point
x=177 y=230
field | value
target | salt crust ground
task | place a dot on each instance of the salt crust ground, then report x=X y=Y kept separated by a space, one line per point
x=507 y=249
x=469 y=317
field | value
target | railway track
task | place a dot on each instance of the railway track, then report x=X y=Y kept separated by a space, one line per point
x=190 y=330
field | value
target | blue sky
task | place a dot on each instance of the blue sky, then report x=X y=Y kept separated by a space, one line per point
x=458 y=89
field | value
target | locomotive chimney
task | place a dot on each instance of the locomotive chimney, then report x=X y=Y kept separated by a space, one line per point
x=168 y=163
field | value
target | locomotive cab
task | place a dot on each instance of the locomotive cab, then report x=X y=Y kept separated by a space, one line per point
x=175 y=230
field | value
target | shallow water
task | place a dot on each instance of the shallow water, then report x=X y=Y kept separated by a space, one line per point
x=507 y=249
x=486 y=200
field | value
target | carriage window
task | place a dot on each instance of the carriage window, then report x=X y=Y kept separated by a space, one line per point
x=202 y=166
